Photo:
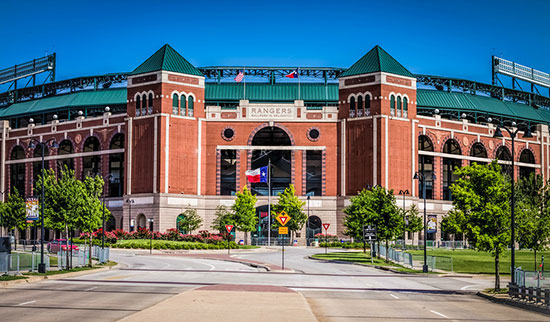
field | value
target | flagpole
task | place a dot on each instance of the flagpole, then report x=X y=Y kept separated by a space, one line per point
x=298 y=74
x=269 y=202
x=244 y=78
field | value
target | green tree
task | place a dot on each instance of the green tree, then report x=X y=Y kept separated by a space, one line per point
x=533 y=214
x=414 y=220
x=89 y=213
x=245 y=212
x=289 y=202
x=191 y=221
x=388 y=220
x=358 y=214
x=481 y=197
x=13 y=212
x=223 y=217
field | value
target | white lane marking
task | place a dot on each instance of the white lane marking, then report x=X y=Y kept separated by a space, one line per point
x=467 y=287
x=442 y=315
x=29 y=302
x=91 y=288
x=394 y=296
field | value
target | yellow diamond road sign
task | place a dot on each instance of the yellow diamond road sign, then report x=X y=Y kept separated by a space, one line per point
x=283 y=218
x=283 y=230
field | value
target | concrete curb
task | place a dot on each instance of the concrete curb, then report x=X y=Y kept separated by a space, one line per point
x=34 y=279
x=510 y=302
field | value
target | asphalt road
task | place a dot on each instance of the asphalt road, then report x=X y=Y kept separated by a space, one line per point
x=335 y=292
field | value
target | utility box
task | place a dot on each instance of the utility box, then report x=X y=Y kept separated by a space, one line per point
x=5 y=245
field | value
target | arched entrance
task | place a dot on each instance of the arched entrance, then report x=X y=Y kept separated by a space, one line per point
x=314 y=226
x=141 y=221
x=281 y=160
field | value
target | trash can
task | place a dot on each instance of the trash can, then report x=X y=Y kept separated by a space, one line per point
x=316 y=242
x=295 y=243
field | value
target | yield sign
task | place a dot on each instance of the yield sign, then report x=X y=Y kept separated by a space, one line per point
x=283 y=218
x=326 y=226
x=229 y=228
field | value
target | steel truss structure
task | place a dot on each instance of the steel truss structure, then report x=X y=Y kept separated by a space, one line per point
x=271 y=74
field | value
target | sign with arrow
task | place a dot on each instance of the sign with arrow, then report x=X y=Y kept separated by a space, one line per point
x=283 y=218
x=326 y=226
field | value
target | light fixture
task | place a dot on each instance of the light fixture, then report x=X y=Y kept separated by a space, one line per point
x=31 y=120
x=498 y=133
x=436 y=111
x=514 y=124
x=32 y=145
x=528 y=133
x=107 y=109
x=415 y=176
x=54 y=116
x=55 y=145
x=80 y=113
x=463 y=115
x=490 y=120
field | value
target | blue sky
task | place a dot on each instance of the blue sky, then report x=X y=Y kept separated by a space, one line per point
x=449 y=38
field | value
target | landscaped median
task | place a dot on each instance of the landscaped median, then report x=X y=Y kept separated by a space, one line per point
x=175 y=245
x=363 y=259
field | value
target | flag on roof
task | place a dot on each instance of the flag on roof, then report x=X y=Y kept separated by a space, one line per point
x=257 y=175
x=294 y=74
x=239 y=77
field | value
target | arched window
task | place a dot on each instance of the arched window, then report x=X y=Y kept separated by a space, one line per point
x=190 y=105
x=399 y=106
x=17 y=171
x=503 y=154
x=144 y=104
x=138 y=105
x=526 y=156
x=141 y=221
x=37 y=165
x=426 y=165
x=175 y=102
x=451 y=148
x=90 y=163
x=360 y=105
x=392 y=105
x=405 y=106
x=183 y=109
x=116 y=166
x=478 y=151
x=150 y=99
x=367 y=105
x=65 y=148
x=352 y=108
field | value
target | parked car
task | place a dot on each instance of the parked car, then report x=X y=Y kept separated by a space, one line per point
x=60 y=244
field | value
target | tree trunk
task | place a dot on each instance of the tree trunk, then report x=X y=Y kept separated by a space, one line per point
x=68 y=249
x=387 y=251
x=535 y=252
x=497 y=271
x=246 y=238
x=90 y=252
x=365 y=246
x=378 y=249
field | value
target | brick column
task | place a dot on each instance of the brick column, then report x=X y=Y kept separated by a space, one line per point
x=299 y=171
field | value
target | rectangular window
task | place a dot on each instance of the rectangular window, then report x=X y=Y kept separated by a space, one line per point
x=228 y=180
x=426 y=166
x=449 y=177
x=314 y=173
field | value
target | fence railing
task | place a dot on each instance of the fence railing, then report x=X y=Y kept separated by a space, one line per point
x=15 y=263
x=416 y=261
x=529 y=294
x=397 y=256
x=81 y=257
x=538 y=279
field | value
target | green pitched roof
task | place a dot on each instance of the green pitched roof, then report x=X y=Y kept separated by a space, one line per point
x=271 y=92
x=377 y=60
x=166 y=58
x=79 y=99
x=465 y=102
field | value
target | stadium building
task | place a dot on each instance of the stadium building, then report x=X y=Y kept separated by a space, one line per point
x=169 y=136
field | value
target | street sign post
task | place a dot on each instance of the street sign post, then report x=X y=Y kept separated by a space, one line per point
x=283 y=219
x=326 y=225
x=369 y=233
x=229 y=228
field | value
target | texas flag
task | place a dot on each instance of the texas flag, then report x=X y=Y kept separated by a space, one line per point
x=257 y=175
x=294 y=74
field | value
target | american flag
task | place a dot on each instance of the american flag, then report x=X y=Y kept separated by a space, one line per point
x=239 y=77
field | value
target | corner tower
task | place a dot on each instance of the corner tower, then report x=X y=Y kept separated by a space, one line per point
x=165 y=108
x=377 y=110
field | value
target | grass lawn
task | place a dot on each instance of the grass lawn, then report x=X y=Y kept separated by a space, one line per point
x=11 y=278
x=362 y=258
x=169 y=244
x=474 y=262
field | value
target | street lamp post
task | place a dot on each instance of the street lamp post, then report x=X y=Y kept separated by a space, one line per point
x=422 y=178
x=130 y=202
x=404 y=193
x=512 y=131
x=103 y=219
x=34 y=143
x=151 y=221
x=307 y=225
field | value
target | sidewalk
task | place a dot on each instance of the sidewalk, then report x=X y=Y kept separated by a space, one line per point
x=230 y=303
